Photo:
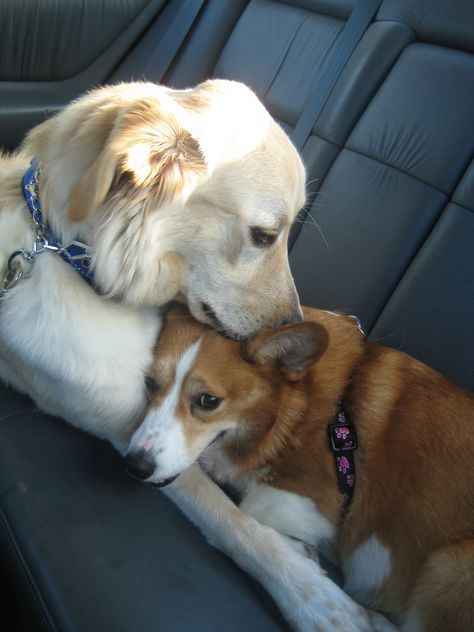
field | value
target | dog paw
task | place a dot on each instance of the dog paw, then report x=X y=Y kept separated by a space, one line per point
x=313 y=603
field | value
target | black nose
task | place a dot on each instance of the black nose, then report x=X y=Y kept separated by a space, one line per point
x=140 y=464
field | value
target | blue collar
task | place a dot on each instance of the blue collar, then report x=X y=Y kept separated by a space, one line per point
x=75 y=253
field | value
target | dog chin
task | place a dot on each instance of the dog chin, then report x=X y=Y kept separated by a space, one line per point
x=203 y=312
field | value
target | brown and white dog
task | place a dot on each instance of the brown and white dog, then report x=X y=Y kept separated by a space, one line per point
x=256 y=413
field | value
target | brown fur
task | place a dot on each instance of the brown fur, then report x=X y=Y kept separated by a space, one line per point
x=414 y=464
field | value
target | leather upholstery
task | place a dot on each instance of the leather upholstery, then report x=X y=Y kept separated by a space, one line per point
x=43 y=42
x=52 y=52
x=104 y=552
x=391 y=161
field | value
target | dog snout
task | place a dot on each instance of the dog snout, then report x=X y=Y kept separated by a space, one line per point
x=140 y=464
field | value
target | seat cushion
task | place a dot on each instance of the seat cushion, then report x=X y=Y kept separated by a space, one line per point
x=92 y=549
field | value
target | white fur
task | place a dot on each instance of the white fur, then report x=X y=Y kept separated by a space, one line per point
x=366 y=569
x=215 y=461
x=308 y=599
x=161 y=432
x=77 y=353
x=288 y=513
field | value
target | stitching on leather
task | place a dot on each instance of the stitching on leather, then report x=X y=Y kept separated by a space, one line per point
x=31 y=583
x=285 y=56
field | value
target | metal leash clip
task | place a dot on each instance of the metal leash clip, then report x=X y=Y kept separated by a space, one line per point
x=14 y=270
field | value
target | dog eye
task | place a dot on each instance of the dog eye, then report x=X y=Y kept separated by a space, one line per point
x=151 y=386
x=263 y=236
x=207 y=402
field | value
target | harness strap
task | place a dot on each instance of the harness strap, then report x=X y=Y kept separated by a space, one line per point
x=178 y=20
x=343 y=442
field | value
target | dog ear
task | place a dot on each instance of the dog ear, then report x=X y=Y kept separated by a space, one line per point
x=148 y=145
x=293 y=349
x=91 y=189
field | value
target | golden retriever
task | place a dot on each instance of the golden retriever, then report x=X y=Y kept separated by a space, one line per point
x=184 y=195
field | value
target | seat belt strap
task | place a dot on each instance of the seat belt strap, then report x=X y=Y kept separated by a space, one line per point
x=180 y=18
x=346 y=41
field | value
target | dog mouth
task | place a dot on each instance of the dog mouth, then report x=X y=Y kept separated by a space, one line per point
x=210 y=314
x=164 y=482
x=217 y=324
x=217 y=437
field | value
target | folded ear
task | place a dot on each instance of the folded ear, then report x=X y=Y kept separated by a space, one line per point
x=149 y=145
x=293 y=349
x=91 y=189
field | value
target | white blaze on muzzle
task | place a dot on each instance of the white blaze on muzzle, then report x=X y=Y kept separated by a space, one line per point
x=161 y=435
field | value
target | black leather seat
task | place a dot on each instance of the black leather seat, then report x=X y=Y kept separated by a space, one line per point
x=390 y=162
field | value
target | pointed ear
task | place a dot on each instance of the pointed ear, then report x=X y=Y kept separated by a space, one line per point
x=148 y=144
x=293 y=349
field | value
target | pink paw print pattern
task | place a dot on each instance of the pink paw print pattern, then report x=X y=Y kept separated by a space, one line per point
x=342 y=464
x=342 y=432
x=343 y=439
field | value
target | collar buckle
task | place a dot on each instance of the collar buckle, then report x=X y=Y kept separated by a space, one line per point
x=75 y=253
x=342 y=437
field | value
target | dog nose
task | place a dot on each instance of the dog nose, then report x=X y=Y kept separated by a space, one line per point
x=140 y=464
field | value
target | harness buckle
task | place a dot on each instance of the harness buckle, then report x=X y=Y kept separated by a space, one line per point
x=342 y=437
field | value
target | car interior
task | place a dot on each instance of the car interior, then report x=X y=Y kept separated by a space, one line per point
x=387 y=235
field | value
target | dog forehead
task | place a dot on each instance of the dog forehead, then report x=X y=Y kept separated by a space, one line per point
x=179 y=333
x=221 y=368
x=217 y=363
x=257 y=189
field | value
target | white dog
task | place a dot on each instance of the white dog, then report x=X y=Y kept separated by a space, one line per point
x=177 y=194
x=160 y=195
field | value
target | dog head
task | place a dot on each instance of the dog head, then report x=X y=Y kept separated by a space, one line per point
x=205 y=388
x=180 y=194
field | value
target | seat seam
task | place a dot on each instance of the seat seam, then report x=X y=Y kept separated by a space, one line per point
x=459 y=205
x=414 y=257
x=305 y=17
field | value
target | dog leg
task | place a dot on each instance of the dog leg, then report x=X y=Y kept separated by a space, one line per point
x=311 y=552
x=443 y=597
x=307 y=598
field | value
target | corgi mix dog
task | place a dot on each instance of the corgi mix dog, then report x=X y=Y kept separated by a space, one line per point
x=341 y=444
